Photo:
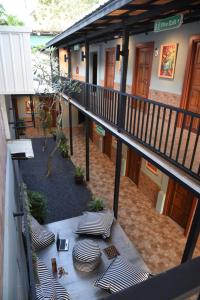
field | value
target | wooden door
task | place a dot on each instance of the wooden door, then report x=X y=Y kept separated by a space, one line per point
x=94 y=68
x=133 y=165
x=142 y=70
x=110 y=68
x=107 y=144
x=193 y=102
x=179 y=204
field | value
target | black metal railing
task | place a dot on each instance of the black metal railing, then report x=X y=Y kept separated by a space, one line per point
x=171 y=132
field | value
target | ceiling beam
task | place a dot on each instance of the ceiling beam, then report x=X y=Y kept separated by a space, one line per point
x=176 y=4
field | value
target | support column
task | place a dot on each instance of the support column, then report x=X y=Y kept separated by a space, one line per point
x=87 y=148
x=70 y=129
x=32 y=110
x=86 y=74
x=87 y=125
x=122 y=99
x=70 y=106
x=121 y=117
x=193 y=235
x=69 y=63
x=117 y=177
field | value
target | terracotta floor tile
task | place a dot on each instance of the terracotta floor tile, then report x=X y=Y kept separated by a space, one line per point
x=158 y=238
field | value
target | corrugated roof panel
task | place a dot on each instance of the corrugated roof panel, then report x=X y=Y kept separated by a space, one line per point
x=15 y=61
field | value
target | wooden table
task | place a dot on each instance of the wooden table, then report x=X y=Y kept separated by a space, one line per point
x=80 y=285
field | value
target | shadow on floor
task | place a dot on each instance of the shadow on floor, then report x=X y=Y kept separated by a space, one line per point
x=65 y=198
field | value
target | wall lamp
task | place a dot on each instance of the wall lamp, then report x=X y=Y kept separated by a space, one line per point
x=66 y=58
x=83 y=56
x=118 y=52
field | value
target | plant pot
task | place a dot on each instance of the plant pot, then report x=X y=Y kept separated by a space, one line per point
x=65 y=155
x=79 y=179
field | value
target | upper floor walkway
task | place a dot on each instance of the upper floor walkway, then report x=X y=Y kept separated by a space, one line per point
x=170 y=132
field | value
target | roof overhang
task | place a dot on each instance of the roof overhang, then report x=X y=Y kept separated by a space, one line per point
x=20 y=149
x=138 y=16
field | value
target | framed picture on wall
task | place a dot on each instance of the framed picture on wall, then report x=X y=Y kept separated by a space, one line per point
x=151 y=168
x=167 y=61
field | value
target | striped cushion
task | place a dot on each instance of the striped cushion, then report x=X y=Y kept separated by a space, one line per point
x=49 y=288
x=120 y=274
x=86 y=250
x=86 y=255
x=44 y=290
x=96 y=223
x=41 y=237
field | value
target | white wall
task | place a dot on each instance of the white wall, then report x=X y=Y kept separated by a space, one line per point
x=15 y=284
x=3 y=109
x=180 y=36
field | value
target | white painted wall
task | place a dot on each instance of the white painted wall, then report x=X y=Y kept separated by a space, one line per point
x=15 y=61
x=15 y=280
x=3 y=109
x=180 y=36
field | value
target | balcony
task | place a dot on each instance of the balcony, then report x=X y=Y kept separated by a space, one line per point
x=170 y=132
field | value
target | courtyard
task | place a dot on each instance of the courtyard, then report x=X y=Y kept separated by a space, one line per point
x=159 y=240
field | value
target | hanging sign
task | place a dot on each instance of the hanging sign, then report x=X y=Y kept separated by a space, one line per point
x=168 y=23
x=76 y=47
x=100 y=130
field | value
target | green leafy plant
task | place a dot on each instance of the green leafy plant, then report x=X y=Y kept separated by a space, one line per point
x=79 y=174
x=64 y=149
x=10 y=20
x=51 y=85
x=96 y=204
x=38 y=205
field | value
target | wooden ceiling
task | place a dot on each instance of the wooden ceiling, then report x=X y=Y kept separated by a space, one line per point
x=113 y=17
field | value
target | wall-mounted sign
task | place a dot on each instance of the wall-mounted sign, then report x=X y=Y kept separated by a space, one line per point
x=76 y=47
x=168 y=23
x=167 y=60
x=100 y=130
x=151 y=168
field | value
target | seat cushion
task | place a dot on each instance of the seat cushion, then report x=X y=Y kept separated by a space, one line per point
x=41 y=237
x=96 y=223
x=86 y=250
x=86 y=255
x=120 y=274
x=49 y=288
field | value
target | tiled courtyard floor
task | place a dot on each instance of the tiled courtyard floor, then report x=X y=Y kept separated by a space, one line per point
x=157 y=237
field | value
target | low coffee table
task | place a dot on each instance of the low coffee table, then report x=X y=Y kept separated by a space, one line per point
x=80 y=285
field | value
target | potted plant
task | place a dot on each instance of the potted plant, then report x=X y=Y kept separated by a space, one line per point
x=79 y=175
x=37 y=205
x=96 y=204
x=35 y=268
x=64 y=149
x=53 y=132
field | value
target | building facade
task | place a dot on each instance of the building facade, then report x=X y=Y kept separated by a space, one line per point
x=143 y=79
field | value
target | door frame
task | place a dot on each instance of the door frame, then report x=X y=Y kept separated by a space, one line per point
x=129 y=152
x=188 y=71
x=149 y=45
x=112 y=49
x=108 y=135
x=168 y=200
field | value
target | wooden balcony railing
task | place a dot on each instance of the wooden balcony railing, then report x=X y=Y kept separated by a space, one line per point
x=171 y=132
